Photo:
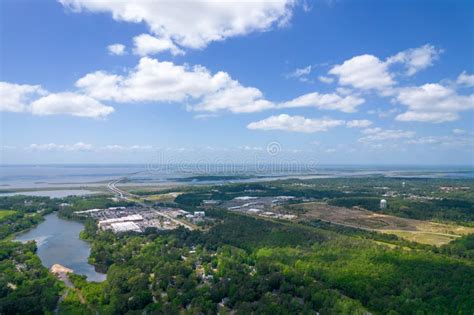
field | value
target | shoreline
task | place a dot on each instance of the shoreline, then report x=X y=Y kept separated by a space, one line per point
x=100 y=187
x=96 y=268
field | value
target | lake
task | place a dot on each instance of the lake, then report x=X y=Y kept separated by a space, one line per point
x=59 y=243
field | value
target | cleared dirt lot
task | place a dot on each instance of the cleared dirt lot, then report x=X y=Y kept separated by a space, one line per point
x=425 y=232
x=169 y=197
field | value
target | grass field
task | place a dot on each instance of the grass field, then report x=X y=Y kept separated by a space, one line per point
x=169 y=197
x=436 y=239
x=424 y=232
x=6 y=213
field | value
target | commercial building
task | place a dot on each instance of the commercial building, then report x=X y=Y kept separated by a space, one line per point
x=136 y=219
x=129 y=218
x=124 y=227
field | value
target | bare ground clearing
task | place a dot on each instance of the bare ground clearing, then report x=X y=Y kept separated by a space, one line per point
x=425 y=232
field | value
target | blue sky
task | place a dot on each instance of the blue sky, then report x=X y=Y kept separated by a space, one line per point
x=345 y=82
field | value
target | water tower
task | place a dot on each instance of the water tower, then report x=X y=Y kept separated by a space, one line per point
x=383 y=204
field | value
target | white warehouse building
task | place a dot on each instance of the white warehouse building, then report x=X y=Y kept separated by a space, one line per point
x=125 y=227
x=133 y=217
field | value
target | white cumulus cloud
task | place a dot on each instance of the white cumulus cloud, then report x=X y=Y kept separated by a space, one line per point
x=449 y=141
x=79 y=146
x=152 y=80
x=163 y=81
x=155 y=81
x=119 y=148
x=295 y=124
x=359 y=123
x=379 y=134
x=16 y=97
x=416 y=59
x=86 y=147
x=116 y=49
x=432 y=102
x=37 y=101
x=367 y=72
x=235 y=98
x=465 y=79
x=347 y=104
x=325 y=79
x=146 y=44
x=194 y=24
x=458 y=131
x=301 y=73
x=364 y=72
x=68 y=103
x=433 y=117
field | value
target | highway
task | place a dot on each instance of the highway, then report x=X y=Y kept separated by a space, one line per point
x=115 y=190
x=124 y=195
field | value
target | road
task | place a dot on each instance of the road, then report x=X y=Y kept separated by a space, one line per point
x=124 y=195
x=115 y=190
x=63 y=276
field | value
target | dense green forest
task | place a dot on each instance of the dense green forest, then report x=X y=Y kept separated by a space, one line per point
x=267 y=266
x=26 y=287
x=462 y=247
x=461 y=211
x=28 y=211
x=244 y=264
